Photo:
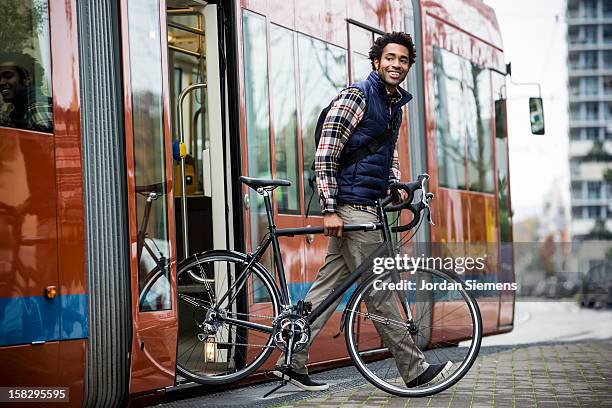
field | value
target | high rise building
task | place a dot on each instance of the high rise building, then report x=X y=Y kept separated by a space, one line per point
x=589 y=36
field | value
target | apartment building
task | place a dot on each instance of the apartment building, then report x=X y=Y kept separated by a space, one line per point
x=589 y=36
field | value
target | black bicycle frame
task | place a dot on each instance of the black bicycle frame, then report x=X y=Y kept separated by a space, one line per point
x=385 y=247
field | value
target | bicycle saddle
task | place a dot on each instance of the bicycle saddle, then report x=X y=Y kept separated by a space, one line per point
x=256 y=183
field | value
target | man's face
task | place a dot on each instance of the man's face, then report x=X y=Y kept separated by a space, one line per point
x=393 y=64
x=11 y=83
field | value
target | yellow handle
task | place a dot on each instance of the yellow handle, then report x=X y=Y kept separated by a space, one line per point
x=182 y=150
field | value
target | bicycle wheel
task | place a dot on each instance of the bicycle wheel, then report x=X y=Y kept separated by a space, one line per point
x=213 y=287
x=446 y=317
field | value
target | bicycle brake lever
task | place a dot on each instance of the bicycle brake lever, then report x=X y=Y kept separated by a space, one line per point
x=427 y=199
x=429 y=216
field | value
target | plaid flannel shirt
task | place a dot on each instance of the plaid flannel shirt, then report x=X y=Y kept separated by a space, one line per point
x=38 y=113
x=343 y=117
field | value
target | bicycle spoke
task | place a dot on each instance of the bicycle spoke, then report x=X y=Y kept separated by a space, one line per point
x=442 y=317
x=224 y=316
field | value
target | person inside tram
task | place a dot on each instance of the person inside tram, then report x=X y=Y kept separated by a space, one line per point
x=29 y=108
x=348 y=196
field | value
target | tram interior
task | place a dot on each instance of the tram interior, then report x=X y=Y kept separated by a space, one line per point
x=191 y=28
x=193 y=58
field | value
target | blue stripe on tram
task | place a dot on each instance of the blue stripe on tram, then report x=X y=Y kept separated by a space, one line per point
x=25 y=320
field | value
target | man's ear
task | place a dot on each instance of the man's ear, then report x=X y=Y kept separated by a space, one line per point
x=376 y=64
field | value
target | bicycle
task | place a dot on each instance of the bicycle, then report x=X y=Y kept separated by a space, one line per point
x=153 y=265
x=233 y=314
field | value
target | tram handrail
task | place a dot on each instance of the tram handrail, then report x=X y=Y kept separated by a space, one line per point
x=183 y=152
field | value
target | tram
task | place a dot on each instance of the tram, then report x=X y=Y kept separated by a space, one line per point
x=93 y=200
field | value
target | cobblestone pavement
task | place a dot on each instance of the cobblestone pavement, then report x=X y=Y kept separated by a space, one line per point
x=542 y=375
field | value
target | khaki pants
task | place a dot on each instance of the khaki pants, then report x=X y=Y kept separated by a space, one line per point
x=343 y=256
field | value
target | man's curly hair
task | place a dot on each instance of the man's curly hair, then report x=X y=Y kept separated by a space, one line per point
x=27 y=67
x=395 y=37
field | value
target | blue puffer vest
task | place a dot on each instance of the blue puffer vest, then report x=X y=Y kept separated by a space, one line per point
x=367 y=180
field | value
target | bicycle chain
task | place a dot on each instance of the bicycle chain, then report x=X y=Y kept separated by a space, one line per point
x=245 y=344
x=208 y=307
x=250 y=315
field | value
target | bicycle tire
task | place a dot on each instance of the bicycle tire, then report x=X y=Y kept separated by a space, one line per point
x=152 y=279
x=360 y=346
x=232 y=361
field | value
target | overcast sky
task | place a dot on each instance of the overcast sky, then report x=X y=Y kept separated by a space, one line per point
x=533 y=34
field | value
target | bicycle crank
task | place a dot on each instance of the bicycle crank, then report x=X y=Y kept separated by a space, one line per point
x=284 y=325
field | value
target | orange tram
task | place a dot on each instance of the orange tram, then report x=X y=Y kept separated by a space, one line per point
x=91 y=195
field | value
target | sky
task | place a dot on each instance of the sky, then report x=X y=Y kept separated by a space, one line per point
x=533 y=34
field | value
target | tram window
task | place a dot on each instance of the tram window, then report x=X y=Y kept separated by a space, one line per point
x=25 y=66
x=322 y=75
x=256 y=84
x=362 y=66
x=186 y=54
x=361 y=41
x=449 y=74
x=463 y=115
x=285 y=118
x=480 y=150
x=149 y=155
x=257 y=124
x=501 y=157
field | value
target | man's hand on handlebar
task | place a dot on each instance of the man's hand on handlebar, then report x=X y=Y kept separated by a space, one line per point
x=403 y=195
x=332 y=225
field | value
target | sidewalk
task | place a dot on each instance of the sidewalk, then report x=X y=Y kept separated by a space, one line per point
x=557 y=375
x=576 y=374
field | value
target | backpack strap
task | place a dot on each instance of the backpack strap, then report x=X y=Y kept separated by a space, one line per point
x=353 y=157
x=348 y=159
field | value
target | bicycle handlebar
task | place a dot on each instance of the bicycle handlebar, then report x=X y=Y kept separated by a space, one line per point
x=415 y=208
x=409 y=188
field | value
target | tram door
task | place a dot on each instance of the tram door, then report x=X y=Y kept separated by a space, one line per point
x=193 y=58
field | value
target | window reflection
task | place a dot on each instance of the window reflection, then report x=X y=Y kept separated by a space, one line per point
x=257 y=126
x=285 y=118
x=501 y=157
x=322 y=75
x=449 y=72
x=149 y=155
x=480 y=169
x=362 y=67
x=361 y=41
x=25 y=66
x=463 y=115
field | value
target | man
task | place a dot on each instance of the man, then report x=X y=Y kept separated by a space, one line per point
x=365 y=111
x=31 y=109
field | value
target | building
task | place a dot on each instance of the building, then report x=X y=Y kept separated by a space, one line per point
x=589 y=36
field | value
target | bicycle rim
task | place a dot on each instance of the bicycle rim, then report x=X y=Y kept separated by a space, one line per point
x=227 y=352
x=447 y=321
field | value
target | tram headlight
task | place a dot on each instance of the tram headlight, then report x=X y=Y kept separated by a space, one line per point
x=210 y=349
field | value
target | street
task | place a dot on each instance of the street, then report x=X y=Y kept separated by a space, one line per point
x=557 y=355
x=550 y=321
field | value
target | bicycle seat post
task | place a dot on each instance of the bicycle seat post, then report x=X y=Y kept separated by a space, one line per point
x=269 y=210
x=278 y=261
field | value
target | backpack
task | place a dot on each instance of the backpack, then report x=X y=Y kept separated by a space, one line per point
x=346 y=159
